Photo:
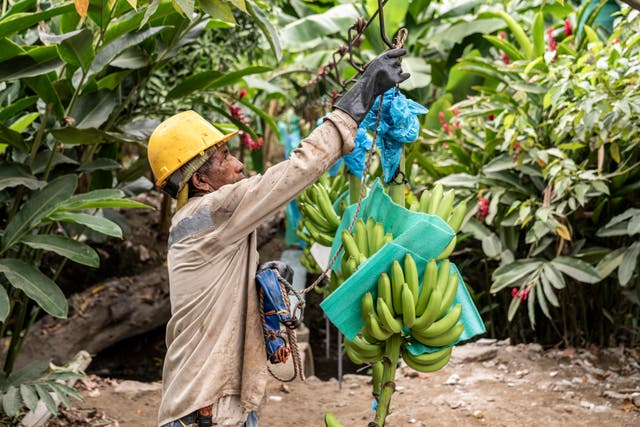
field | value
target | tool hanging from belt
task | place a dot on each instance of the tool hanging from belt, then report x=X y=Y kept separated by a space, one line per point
x=273 y=280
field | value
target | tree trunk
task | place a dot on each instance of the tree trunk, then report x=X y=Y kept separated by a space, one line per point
x=111 y=311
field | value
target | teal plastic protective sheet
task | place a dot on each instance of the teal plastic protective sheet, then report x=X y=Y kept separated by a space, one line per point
x=410 y=229
x=342 y=307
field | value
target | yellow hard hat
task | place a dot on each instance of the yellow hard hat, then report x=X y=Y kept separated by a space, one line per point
x=179 y=139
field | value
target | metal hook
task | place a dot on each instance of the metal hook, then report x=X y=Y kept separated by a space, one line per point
x=383 y=33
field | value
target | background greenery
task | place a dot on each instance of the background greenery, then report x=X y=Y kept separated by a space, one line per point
x=532 y=113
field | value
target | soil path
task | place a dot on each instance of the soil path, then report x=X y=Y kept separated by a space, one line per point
x=487 y=383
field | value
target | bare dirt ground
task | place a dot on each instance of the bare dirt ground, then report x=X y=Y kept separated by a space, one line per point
x=487 y=383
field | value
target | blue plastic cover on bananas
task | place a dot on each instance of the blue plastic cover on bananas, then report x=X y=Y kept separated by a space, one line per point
x=398 y=125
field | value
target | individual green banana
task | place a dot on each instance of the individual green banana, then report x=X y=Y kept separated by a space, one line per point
x=387 y=320
x=376 y=330
x=449 y=294
x=384 y=289
x=376 y=378
x=411 y=275
x=440 y=359
x=317 y=235
x=408 y=306
x=302 y=235
x=424 y=201
x=330 y=420
x=444 y=324
x=430 y=313
x=428 y=284
x=370 y=225
x=366 y=305
x=361 y=238
x=388 y=238
x=397 y=280
x=350 y=244
x=444 y=271
x=444 y=210
x=350 y=267
x=378 y=236
x=436 y=198
x=336 y=186
x=324 y=204
x=361 y=259
x=441 y=340
x=352 y=354
x=366 y=334
x=448 y=249
x=457 y=216
x=370 y=352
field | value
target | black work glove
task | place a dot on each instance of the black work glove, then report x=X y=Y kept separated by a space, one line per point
x=381 y=74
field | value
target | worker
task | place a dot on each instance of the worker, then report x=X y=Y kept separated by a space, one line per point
x=215 y=369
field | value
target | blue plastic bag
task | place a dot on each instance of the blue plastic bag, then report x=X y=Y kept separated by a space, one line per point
x=398 y=125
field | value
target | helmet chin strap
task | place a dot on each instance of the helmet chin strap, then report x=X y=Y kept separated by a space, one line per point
x=172 y=185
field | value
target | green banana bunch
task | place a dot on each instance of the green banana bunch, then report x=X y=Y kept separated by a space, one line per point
x=318 y=216
x=426 y=362
x=438 y=202
x=436 y=322
x=330 y=420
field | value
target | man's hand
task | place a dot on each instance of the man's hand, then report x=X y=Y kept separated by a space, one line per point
x=381 y=74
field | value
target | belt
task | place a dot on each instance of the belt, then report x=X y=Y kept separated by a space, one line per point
x=197 y=419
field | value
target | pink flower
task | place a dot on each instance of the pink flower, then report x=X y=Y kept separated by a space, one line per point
x=456 y=111
x=490 y=117
x=516 y=146
x=505 y=58
x=456 y=125
x=568 y=30
x=553 y=44
x=242 y=94
x=502 y=35
x=483 y=208
x=616 y=40
x=514 y=292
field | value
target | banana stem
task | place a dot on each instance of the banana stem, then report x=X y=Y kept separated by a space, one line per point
x=397 y=186
x=390 y=363
x=354 y=188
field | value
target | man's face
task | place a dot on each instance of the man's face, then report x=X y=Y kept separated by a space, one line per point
x=223 y=169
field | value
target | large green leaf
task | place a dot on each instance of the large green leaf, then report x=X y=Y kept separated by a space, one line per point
x=5 y=304
x=629 y=263
x=504 y=45
x=35 y=285
x=420 y=71
x=457 y=32
x=513 y=308
x=17 y=107
x=29 y=396
x=96 y=223
x=78 y=50
x=21 y=21
x=14 y=174
x=30 y=373
x=43 y=86
x=266 y=27
x=101 y=163
x=218 y=11
x=510 y=273
x=310 y=30
x=262 y=114
x=92 y=110
x=105 y=55
x=185 y=7
x=576 y=269
x=11 y=401
x=610 y=262
x=553 y=276
x=75 y=136
x=41 y=203
x=45 y=396
x=30 y=64
x=212 y=80
x=13 y=138
x=97 y=199
x=64 y=246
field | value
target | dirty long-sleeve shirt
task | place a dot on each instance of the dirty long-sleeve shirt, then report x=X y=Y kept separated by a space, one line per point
x=214 y=338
